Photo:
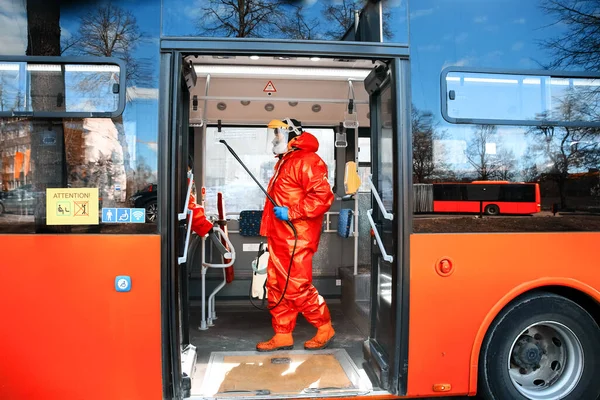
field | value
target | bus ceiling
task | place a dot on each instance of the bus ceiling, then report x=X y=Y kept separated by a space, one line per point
x=255 y=89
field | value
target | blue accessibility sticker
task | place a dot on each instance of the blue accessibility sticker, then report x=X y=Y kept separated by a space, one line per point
x=123 y=215
x=138 y=215
x=109 y=215
x=123 y=283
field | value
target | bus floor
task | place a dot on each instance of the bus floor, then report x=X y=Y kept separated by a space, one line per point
x=240 y=326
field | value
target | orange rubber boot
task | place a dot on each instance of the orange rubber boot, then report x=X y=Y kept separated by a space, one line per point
x=281 y=341
x=324 y=335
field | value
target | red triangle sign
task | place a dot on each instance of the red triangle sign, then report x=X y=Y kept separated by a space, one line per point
x=270 y=88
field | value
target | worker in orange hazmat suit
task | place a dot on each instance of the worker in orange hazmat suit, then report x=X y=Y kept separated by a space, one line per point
x=302 y=192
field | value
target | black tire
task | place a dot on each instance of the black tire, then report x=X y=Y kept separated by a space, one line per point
x=495 y=382
x=1 y=209
x=151 y=211
x=492 y=209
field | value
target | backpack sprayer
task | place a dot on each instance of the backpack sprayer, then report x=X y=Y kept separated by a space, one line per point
x=287 y=222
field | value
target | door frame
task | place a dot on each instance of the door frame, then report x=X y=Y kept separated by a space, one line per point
x=172 y=52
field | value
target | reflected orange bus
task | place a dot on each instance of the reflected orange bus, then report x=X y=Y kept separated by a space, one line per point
x=489 y=197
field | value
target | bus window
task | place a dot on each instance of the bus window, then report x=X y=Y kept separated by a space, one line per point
x=524 y=98
x=250 y=142
x=43 y=87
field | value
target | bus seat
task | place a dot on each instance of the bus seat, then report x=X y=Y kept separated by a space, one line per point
x=351 y=178
x=249 y=221
x=345 y=222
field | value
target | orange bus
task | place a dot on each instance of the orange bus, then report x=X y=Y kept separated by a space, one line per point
x=108 y=294
x=489 y=197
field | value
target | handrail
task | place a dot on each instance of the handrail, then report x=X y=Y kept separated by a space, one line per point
x=386 y=256
x=386 y=214
x=181 y=216
x=183 y=258
x=231 y=253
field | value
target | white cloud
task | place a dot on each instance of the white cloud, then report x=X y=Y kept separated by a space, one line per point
x=65 y=33
x=13 y=27
x=152 y=146
x=518 y=46
x=421 y=13
x=135 y=92
x=463 y=62
x=480 y=19
x=11 y=7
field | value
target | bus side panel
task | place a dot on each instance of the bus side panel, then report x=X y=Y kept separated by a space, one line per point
x=446 y=313
x=66 y=333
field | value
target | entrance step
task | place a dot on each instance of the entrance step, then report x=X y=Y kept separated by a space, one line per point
x=188 y=368
x=356 y=297
x=321 y=373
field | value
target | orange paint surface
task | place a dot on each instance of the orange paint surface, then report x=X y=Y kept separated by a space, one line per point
x=65 y=332
x=450 y=315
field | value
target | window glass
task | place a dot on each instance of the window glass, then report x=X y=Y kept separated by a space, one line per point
x=305 y=20
x=520 y=98
x=553 y=166
x=89 y=164
x=59 y=88
x=225 y=174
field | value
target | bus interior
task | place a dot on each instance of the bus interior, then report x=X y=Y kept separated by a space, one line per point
x=233 y=99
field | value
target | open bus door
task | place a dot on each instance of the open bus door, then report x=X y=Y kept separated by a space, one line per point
x=179 y=356
x=386 y=349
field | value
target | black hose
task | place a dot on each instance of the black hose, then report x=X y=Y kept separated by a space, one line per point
x=289 y=223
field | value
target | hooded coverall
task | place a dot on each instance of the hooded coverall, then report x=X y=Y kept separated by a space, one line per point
x=299 y=183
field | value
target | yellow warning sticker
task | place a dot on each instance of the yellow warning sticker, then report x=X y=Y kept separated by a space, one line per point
x=73 y=206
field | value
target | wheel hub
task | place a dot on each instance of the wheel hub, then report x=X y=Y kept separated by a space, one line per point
x=546 y=361
x=527 y=354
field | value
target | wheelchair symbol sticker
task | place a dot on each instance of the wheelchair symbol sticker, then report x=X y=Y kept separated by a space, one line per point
x=123 y=283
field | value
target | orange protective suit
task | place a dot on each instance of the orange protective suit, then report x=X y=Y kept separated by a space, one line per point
x=299 y=183
x=200 y=224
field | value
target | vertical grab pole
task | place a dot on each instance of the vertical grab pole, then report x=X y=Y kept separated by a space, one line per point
x=203 y=326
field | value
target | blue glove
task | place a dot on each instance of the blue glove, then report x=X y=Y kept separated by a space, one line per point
x=281 y=213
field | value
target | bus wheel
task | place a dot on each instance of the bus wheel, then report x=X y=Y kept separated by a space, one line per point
x=492 y=209
x=542 y=347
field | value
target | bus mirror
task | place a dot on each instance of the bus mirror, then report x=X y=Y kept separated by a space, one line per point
x=62 y=87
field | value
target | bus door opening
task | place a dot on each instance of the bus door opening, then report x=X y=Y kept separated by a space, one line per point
x=234 y=101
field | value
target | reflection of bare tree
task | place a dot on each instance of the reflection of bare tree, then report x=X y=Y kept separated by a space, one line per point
x=564 y=149
x=109 y=31
x=142 y=175
x=43 y=39
x=579 y=46
x=506 y=165
x=529 y=171
x=343 y=15
x=486 y=155
x=426 y=165
x=567 y=148
x=280 y=18
x=299 y=27
x=241 y=18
